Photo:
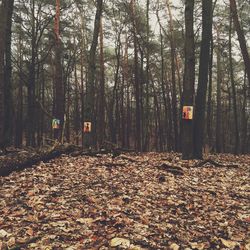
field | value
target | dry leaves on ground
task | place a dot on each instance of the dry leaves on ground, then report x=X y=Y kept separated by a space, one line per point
x=130 y=202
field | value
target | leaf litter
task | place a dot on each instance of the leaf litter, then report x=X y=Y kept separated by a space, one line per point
x=133 y=201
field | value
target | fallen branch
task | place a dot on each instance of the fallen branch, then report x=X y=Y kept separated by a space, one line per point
x=215 y=164
x=114 y=152
x=171 y=169
x=17 y=162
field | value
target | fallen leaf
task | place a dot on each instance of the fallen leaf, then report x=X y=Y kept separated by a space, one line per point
x=4 y=234
x=196 y=245
x=174 y=246
x=228 y=243
x=247 y=246
x=85 y=220
x=11 y=242
x=133 y=247
x=115 y=242
x=30 y=232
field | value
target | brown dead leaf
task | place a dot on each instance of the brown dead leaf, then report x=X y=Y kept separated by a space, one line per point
x=30 y=231
x=228 y=243
x=11 y=242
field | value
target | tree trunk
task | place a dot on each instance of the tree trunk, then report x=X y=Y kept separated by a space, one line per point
x=244 y=118
x=209 y=98
x=113 y=107
x=188 y=82
x=101 y=123
x=2 y=62
x=173 y=77
x=200 y=101
x=218 y=98
x=166 y=100
x=90 y=89
x=19 y=111
x=59 y=101
x=126 y=80
x=136 y=84
x=147 y=111
x=236 y=126
x=31 y=116
x=9 y=109
x=241 y=38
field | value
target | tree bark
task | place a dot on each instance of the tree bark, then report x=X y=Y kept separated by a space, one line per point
x=90 y=90
x=9 y=109
x=188 y=82
x=173 y=79
x=31 y=116
x=236 y=125
x=59 y=95
x=241 y=38
x=138 y=131
x=2 y=62
x=101 y=124
x=200 y=101
x=209 y=98
x=147 y=111
x=218 y=99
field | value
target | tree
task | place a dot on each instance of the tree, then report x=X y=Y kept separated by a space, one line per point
x=6 y=10
x=138 y=143
x=59 y=102
x=241 y=38
x=173 y=79
x=2 y=62
x=200 y=100
x=236 y=126
x=89 y=104
x=188 y=82
x=7 y=76
x=101 y=121
x=218 y=97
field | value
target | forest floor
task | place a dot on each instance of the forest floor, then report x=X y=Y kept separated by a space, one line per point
x=133 y=201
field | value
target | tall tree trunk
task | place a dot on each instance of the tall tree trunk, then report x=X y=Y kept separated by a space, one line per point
x=2 y=62
x=218 y=99
x=59 y=101
x=82 y=95
x=209 y=98
x=241 y=38
x=31 y=116
x=200 y=101
x=113 y=107
x=236 y=125
x=166 y=99
x=173 y=78
x=90 y=89
x=101 y=124
x=159 y=133
x=188 y=82
x=244 y=118
x=126 y=80
x=9 y=109
x=147 y=111
x=136 y=83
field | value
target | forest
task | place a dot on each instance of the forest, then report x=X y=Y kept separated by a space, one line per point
x=124 y=124
x=129 y=68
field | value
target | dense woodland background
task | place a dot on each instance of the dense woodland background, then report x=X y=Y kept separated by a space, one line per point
x=128 y=67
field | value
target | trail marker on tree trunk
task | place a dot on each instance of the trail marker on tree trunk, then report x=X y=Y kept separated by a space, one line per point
x=55 y=124
x=187 y=113
x=57 y=25
x=87 y=127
